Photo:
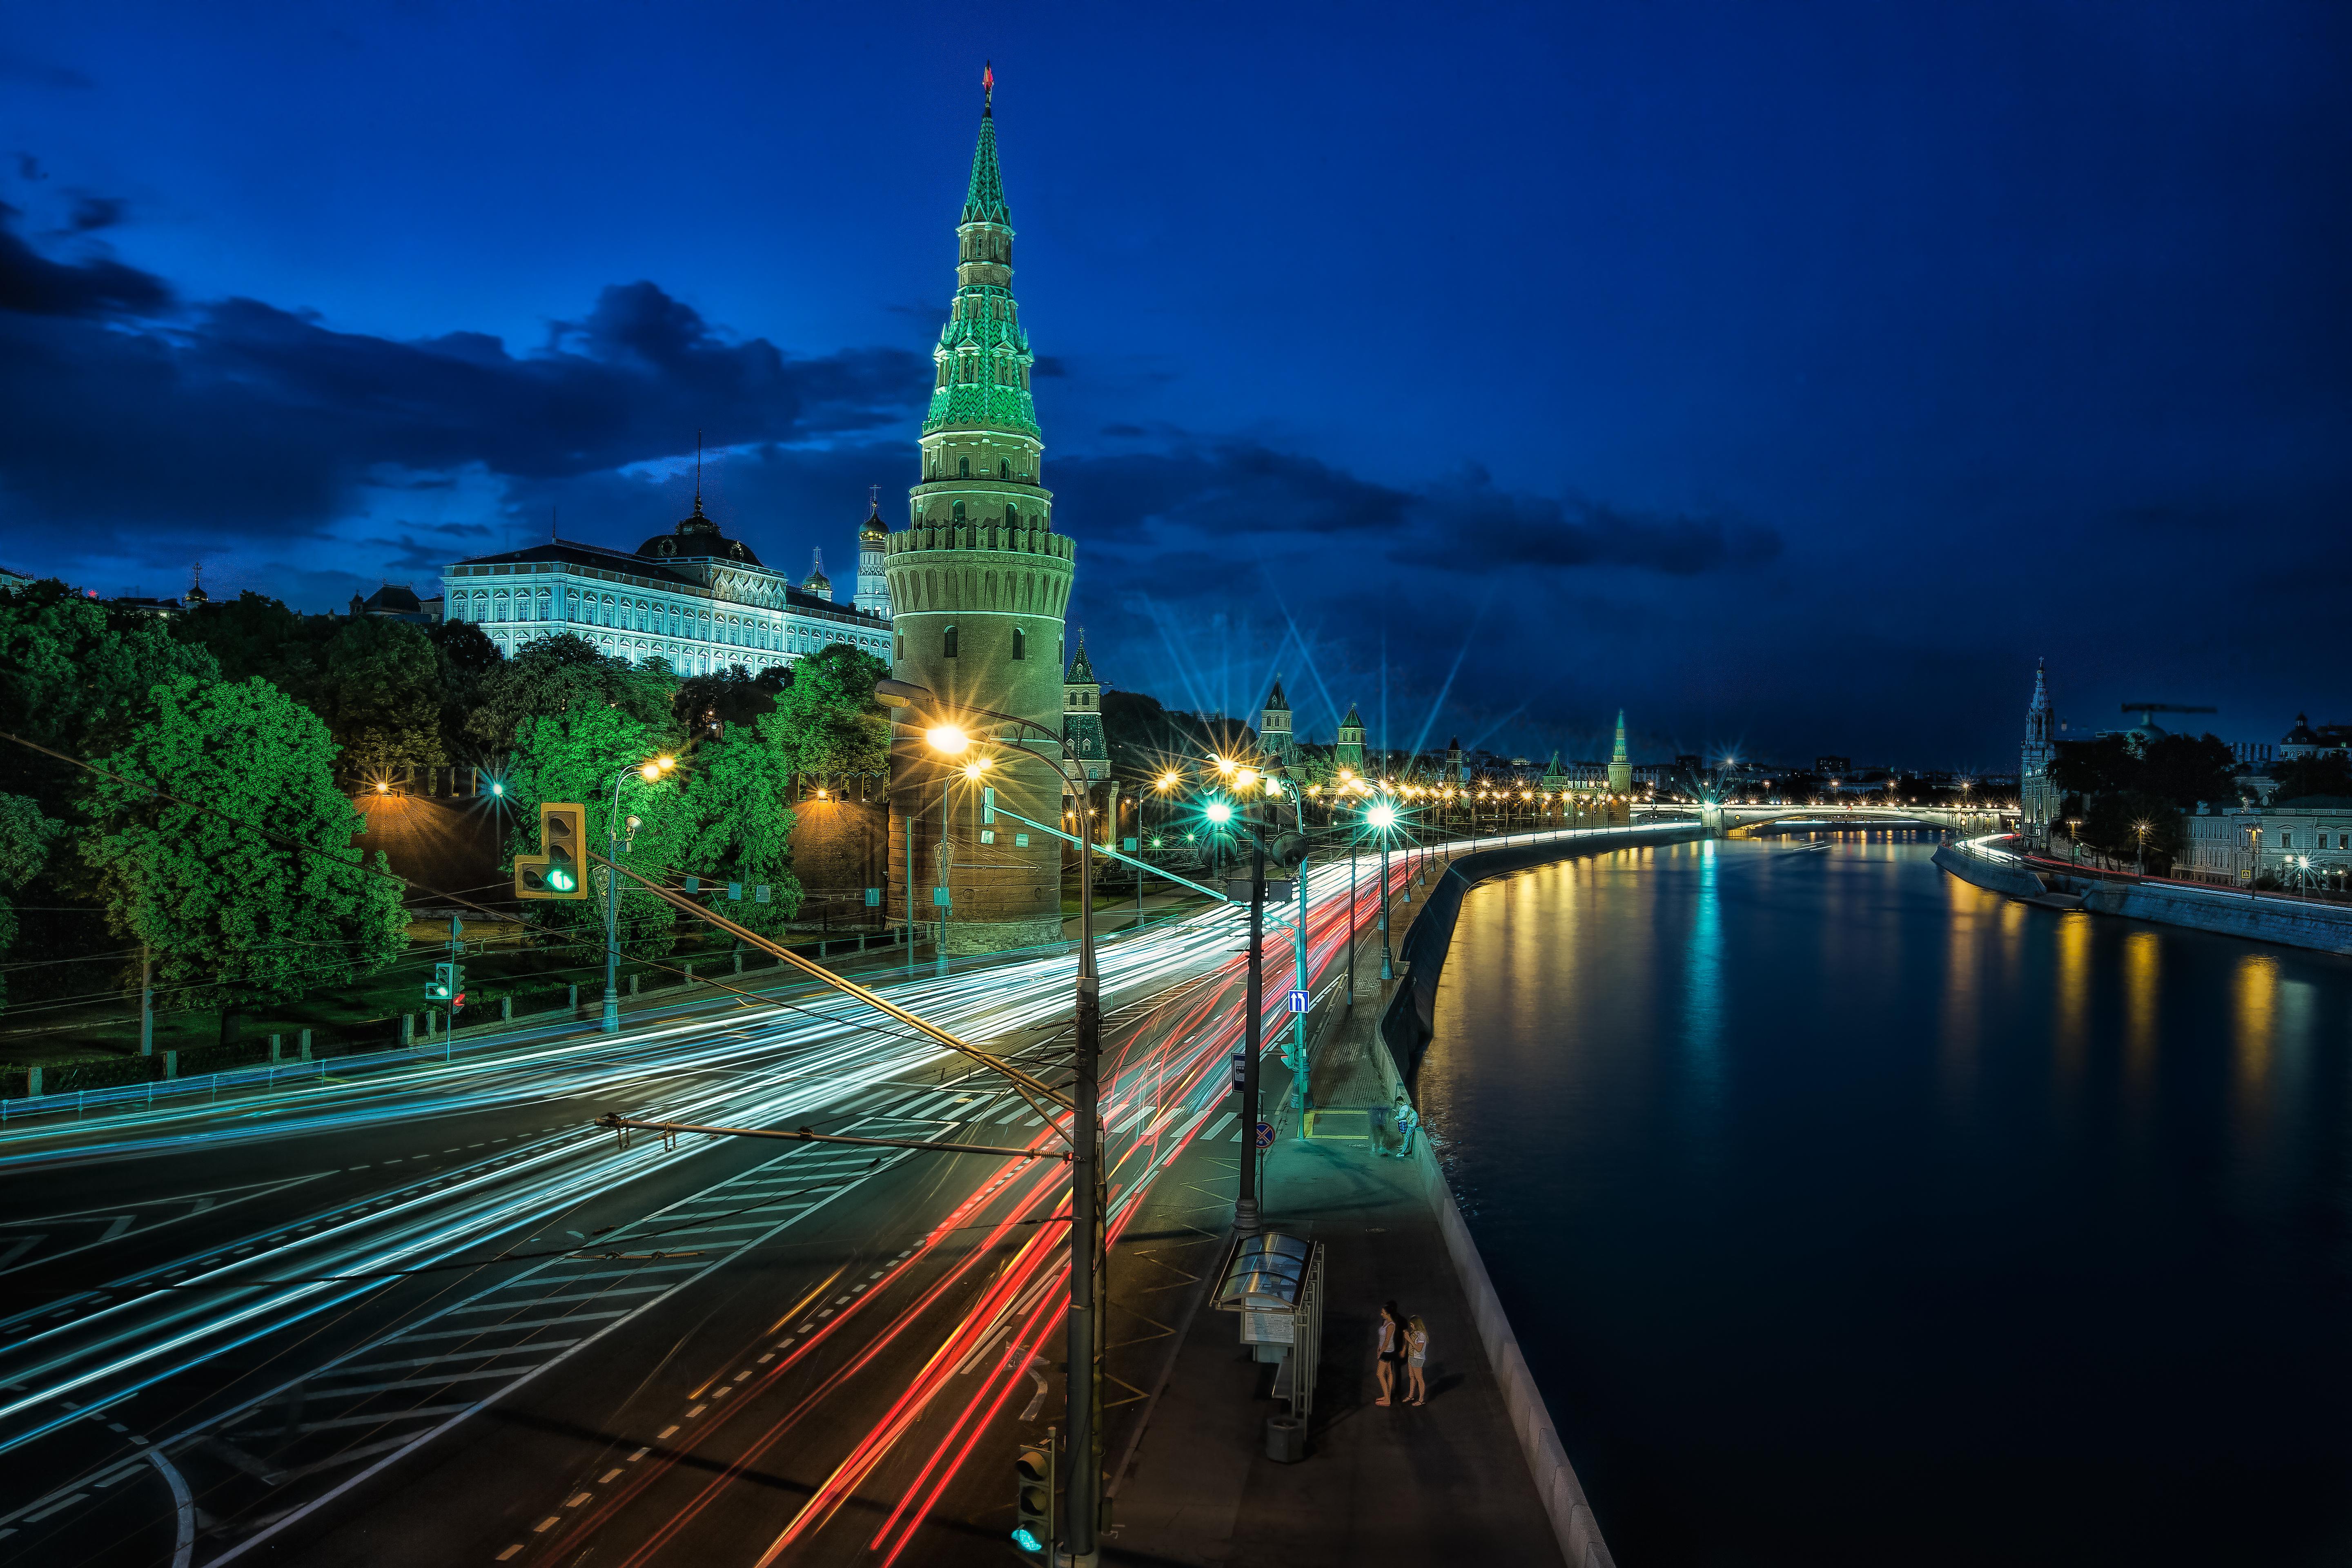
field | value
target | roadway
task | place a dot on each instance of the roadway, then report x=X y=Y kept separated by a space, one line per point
x=440 y=1318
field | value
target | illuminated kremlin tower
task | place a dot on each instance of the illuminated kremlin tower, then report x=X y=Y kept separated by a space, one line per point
x=979 y=582
x=1274 y=738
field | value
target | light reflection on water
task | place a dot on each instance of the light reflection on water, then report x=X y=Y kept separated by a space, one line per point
x=1849 y=1214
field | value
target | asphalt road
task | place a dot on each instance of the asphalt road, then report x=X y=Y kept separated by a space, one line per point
x=439 y=1318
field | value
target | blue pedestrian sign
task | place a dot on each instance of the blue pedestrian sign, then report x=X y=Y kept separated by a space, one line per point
x=1299 y=1001
x=1266 y=1135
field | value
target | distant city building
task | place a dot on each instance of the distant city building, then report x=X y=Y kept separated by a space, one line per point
x=873 y=582
x=1083 y=737
x=1832 y=767
x=1620 y=766
x=2309 y=838
x=10 y=582
x=397 y=602
x=691 y=595
x=2039 y=800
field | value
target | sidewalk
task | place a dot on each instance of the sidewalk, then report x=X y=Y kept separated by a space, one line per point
x=1446 y=1482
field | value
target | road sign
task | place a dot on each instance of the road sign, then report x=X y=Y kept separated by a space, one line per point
x=1299 y=1001
x=1240 y=1066
x=1266 y=1135
x=873 y=898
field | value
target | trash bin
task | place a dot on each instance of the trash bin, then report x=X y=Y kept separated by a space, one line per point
x=1285 y=1439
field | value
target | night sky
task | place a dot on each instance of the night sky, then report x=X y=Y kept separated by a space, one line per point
x=1792 y=375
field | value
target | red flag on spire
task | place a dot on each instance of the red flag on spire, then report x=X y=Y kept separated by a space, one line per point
x=988 y=78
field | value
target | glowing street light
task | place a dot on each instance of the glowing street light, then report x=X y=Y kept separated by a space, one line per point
x=949 y=739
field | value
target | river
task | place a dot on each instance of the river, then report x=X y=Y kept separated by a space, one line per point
x=1850 y=1215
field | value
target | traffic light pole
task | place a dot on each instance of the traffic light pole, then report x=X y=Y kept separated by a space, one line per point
x=1087 y=1228
x=1245 y=1220
x=612 y=909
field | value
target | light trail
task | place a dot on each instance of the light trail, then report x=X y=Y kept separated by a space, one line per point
x=752 y=1066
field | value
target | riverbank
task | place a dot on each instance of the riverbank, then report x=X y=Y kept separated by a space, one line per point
x=2290 y=923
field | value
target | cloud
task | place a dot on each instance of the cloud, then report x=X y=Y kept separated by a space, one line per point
x=94 y=212
x=113 y=416
x=32 y=285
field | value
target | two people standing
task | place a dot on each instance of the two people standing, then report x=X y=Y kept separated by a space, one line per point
x=1403 y=1342
x=1405 y=1119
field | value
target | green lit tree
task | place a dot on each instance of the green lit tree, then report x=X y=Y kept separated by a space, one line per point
x=573 y=755
x=827 y=721
x=561 y=675
x=76 y=677
x=24 y=839
x=234 y=918
x=739 y=798
x=382 y=691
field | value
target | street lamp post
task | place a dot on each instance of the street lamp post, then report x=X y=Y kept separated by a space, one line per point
x=1383 y=817
x=648 y=771
x=1084 y=1384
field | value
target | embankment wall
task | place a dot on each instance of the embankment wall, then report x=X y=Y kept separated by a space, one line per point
x=2258 y=917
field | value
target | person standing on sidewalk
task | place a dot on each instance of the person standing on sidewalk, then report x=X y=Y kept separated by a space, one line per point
x=1390 y=1351
x=1406 y=1121
x=1416 y=1358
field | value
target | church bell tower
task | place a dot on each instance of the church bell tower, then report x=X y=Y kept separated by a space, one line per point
x=979 y=584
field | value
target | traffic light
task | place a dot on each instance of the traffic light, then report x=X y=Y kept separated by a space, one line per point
x=446 y=978
x=1033 y=1501
x=557 y=871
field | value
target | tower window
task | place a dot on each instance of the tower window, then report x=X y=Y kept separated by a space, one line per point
x=1012 y=517
x=955 y=512
x=901 y=641
x=1020 y=643
x=963 y=468
x=948 y=643
x=1003 y=467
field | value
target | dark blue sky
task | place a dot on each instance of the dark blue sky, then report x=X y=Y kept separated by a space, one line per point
x=1790 y=375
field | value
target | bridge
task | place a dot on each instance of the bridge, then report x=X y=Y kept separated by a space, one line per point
x=1722 y=818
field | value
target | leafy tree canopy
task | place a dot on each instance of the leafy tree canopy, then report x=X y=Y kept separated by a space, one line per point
x=77 y=676
x=255 y=635
x=705 y=704
x=739 y=803
x=826 y=720
x=2112 y=825
x=381 y=693
x=2180 y=769
x=566 y=674
x=234 y=918
x=24 y=839
x=2325 y=774
x=573 y=754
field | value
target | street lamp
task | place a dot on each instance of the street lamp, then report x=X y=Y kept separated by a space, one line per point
x=1087 y=1262
x=2140 y=829
x=1382 y=817
x=649 y=771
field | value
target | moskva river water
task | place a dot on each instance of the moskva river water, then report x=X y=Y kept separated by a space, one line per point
x=1848 y=1215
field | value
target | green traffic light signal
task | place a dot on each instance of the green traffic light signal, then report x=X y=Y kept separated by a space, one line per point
x=1032 y=1499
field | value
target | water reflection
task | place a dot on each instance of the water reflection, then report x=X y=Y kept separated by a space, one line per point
x=1777 y=1207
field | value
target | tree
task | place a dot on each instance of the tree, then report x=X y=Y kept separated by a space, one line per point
x=2324 y=774
x=564 y=674
x=77 y=676
x=2104 y=767
x=738 y=801
x=382 y=693
x=827 y=722
x=2187 y=769
x=572 y=756
x=236 y=918
x=705 y=704
x=2112 y=825
x=24 y=839
x=255 y=635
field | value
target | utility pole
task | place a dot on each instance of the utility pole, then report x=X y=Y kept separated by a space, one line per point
x=1245 y=1219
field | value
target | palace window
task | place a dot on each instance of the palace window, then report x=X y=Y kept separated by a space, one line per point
x=1003 y=467
x=1020 y=643
x=963 y=469
x=949 y=642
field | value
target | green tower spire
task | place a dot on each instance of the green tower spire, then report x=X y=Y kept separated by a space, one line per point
x=983 y=359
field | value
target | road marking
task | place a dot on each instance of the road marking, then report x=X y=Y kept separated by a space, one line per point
x=544 y=1523
x=577 y=1499
x=494 y=1327
x=664 y=1434
x=510 y=1551
x=69 y=1502
x=696 y=1411
x=606 y=1478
